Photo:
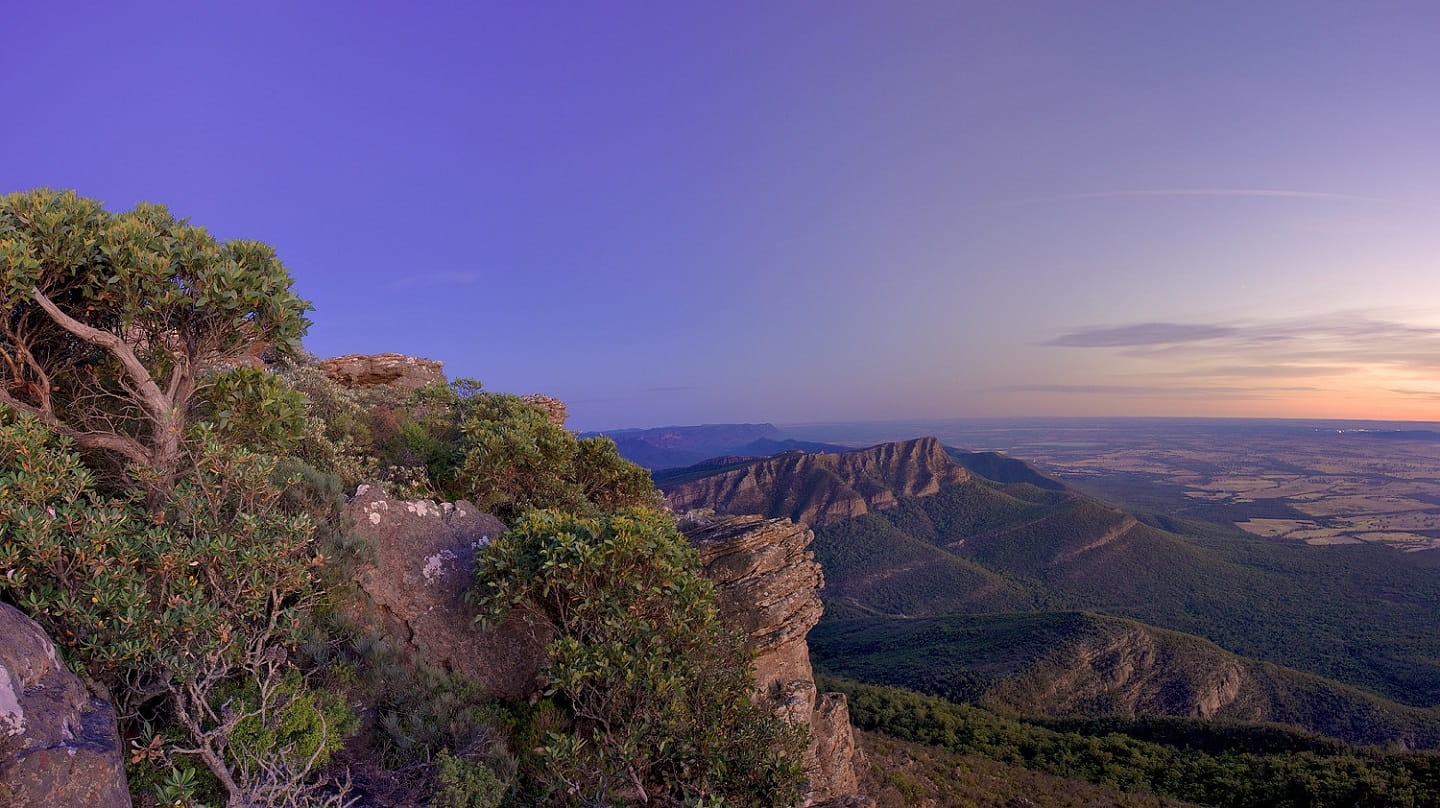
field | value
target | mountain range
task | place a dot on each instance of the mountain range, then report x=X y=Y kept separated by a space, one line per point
x=933 y=555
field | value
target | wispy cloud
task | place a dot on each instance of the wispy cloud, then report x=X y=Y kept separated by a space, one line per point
x=1233 y=193
x=1269 y=371
x=1334 y=344
x=1208 y=392
x=1425 y=394
x=1140 y=334
x=451 y=279
x=1273 y=193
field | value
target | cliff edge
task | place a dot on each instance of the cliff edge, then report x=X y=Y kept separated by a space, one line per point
x=767 y=583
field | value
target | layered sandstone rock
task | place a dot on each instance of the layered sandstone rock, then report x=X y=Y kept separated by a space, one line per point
x=821 y=489
x=767 y=584
x=393 y=369
x=59 y=747
x=412 y=590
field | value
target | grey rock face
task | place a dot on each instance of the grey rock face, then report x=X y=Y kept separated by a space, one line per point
x=59 y=747
x=413 y=591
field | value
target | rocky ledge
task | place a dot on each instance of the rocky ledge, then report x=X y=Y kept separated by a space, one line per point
x=393 y=369
x=767 y=583
x=823 y=488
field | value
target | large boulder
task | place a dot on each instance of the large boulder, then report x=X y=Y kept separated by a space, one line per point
x=59 y=746
x=413 y=591
x=767 y=583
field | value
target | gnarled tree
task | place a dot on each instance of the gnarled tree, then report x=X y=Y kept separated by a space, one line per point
x=109 y=321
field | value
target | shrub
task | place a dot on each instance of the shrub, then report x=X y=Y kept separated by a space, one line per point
x=461 y=783
x=175 y=601
x=659 y=693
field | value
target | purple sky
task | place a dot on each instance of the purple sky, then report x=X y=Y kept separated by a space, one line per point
x=690 y=212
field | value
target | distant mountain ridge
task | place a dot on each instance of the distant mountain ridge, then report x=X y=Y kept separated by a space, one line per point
x=819 y=488
x=674 y=446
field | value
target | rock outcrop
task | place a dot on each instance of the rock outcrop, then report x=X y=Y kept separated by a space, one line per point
x=821 y=489
x=767 y=584
x=553 y=407
x=412 y=591
x=393 y=369
x=59 y=747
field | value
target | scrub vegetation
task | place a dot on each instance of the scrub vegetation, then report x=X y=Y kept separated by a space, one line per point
x=172 y=472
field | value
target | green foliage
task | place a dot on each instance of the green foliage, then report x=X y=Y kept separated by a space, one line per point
x=607 y=480
x=461 y=783
x=145 y=267
x=111 y=320
x=163 y=605
x=1208 y=769
x=658 y=691
x=305 y=727
x=181 y=788
x=515 y=458
x=255 y=408
x=135 y=593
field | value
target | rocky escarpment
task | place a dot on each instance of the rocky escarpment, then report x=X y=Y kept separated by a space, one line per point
x=766 y=580
x=59 y=746
x=392 y=369
x=412 y=591
x=820 y=489
x=767 y=584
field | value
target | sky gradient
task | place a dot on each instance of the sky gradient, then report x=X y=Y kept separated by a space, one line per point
x=796 y=212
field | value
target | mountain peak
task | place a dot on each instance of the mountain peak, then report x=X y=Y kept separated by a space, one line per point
x=821 y=488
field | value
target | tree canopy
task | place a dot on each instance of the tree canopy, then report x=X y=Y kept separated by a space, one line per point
x=110 y=320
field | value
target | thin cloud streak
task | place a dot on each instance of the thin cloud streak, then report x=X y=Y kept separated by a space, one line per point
x=1140 y=334
x=1361 y=347
x=1155 y=391
x=1234 y=193
x=451 y=279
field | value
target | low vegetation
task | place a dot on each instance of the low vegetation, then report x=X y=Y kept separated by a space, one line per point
x=1234 y=766
x=1062 y=664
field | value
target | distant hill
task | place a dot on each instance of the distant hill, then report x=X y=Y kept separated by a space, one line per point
x=1071 y=664
x=673 y=446
x=1002 y=469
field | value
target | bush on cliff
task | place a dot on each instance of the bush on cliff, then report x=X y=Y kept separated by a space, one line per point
x=657 y=690
x=456 y=441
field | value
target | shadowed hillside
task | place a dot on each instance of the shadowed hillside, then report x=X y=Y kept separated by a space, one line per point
x=1078 y=664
